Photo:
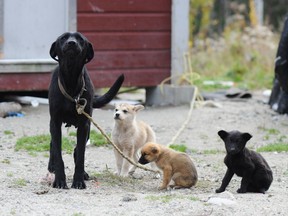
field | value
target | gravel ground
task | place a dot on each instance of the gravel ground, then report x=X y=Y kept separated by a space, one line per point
x=23 y=193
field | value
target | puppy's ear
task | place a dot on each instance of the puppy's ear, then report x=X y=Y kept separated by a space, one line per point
x=223 y=134
x=90 y=53
x=53 y=52
x=137 y=108
x=246 y=136
x=154 y=150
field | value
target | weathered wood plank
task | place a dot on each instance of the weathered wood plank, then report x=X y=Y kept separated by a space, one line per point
x=129 y=40
x=124 y=22
x=100 y=78
x=102 y=6
x=24 y=81
x=133 y=77
x=131 y=59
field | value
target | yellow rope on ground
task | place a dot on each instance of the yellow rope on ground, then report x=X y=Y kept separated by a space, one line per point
x=196 y=94
x=183 y=126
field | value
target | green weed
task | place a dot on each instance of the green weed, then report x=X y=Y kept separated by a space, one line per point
x=168 y=198
x=270 y=131
x=41 y=143
x=108 y=178
x=20 y=182
x=163 y=199
x=9 y=174
x=78 y=214
x=6 y=161
x=7 y=132
x=180 y=148
x=211 y=151
x=277 y=147
x=96 y=138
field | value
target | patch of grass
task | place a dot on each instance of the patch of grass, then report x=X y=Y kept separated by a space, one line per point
x=6 y=161
x=163 y=198
x=194 y=198
x=109 y=178
x=20 y=182
x=78 y=214
x=277 y=147
x=9 y=174
x=270 y=131
x=96 y=138
x=41 y=143
x=180 y=148
x=211 y=151
x=7 y=132
x=168 y=198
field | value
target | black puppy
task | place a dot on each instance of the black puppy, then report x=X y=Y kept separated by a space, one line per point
x=70 y=86
x=250 y=165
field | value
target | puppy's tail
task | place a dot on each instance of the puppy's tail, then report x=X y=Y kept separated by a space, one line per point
x=100 y=101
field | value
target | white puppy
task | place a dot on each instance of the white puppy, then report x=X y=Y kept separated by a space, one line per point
x=129 y=135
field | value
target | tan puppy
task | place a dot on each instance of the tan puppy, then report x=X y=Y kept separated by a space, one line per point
x=129 y=135
x=175 y=165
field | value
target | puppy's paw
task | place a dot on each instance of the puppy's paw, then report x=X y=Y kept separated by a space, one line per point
x=116 y=173
x=219 y=190
x=162 y=187
x=241 y=190
x=124 y=175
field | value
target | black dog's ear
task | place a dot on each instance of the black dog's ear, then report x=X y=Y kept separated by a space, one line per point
x=223 y=134
x=53 y=53
x=90 y=53
x=246 y=136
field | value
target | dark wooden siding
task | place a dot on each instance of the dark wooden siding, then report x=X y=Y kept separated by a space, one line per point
x=22 y=81
x=132 y=37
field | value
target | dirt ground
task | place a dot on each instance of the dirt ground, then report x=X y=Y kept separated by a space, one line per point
x=22 y=193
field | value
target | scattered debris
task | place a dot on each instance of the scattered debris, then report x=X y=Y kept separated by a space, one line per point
x=8 y=108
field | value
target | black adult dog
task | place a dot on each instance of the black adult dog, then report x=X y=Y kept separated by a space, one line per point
x=70 y=86
x=250 y=165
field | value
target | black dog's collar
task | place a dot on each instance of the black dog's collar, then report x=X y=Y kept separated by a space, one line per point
x=78 y=97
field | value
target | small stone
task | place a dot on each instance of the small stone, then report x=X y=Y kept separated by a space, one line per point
x=129 y=198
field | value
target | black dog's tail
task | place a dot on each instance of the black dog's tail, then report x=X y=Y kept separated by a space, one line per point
x=100 y=101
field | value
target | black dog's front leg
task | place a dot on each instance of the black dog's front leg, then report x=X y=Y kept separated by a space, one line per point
x=79 y=157
x=227 y=178
x=86 y=175
x=56 y=163
x=245 y=181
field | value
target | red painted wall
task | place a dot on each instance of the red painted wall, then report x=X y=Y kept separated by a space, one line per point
x=132 y=37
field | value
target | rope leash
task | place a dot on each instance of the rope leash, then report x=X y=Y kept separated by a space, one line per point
x=80 y=110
